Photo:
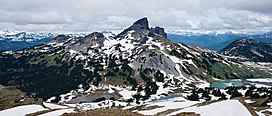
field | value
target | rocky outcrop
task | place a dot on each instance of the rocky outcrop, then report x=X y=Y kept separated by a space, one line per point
x=159 y=31
x=141 y=24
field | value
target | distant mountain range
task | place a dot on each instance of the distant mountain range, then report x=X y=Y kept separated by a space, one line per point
x=217 y=41
x=10 y=40
x=16 y=40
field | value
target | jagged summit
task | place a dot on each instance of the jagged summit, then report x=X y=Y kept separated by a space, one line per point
x=142 y=24
x=159 y=31
x=138 y=25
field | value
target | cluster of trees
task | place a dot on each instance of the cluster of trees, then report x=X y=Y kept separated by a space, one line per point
x=149 y=89
x=261 y=92
x=251 y=92
x=205 y=94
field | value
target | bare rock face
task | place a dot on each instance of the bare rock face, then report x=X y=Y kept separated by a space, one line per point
x=141 y=24
x=159 y=31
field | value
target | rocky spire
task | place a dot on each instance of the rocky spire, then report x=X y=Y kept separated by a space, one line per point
x=142 y=24
x=159 y=31
x=138 y=25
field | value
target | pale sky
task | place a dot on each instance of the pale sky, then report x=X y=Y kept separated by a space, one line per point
x=94 y=15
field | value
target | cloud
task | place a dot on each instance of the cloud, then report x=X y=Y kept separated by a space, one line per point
x=92 y=15
x=41 y=18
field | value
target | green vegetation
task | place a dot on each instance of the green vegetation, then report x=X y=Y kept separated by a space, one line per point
x=125 y=75
x=41 y=80
x=49 y=59
x=221 y=70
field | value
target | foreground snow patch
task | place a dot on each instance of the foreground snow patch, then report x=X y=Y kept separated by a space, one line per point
x=53 y=106
x=167 y=104
x=22 y=110
x=223 y=108
x=58 y=112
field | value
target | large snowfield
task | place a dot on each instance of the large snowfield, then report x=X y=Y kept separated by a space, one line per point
x=22 y=110
x=223 y=108
x=28 y=109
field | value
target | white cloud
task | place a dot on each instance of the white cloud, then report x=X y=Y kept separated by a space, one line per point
x=91 y=15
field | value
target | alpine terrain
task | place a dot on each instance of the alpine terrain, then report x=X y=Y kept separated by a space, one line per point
x=138 y=68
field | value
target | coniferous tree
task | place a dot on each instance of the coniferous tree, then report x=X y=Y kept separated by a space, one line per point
x=223 y=97
x=216 y=92
x=206 y=96
x=193 y=97
x=235 y=93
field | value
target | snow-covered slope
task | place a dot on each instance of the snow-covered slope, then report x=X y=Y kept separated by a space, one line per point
x=224 y=108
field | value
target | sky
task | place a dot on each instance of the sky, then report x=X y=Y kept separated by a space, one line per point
x=97 y=15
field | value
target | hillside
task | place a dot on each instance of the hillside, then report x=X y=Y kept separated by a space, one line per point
x=249 y=49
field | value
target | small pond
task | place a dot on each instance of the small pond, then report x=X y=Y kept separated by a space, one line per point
x=167 y=98
x=222 y=84
x=90 y=98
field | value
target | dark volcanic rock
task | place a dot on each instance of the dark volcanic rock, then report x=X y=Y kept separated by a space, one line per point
x=159 y=31
x=141 y=24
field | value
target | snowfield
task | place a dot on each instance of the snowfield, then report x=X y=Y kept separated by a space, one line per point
x=28 y=109
x=21 y=110
x=53 y=106
x=171 y=103
x=127 y=94
x=267 y=80
x=222 y=108
x=58 y=112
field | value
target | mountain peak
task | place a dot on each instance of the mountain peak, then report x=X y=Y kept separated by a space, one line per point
x=141 y=24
